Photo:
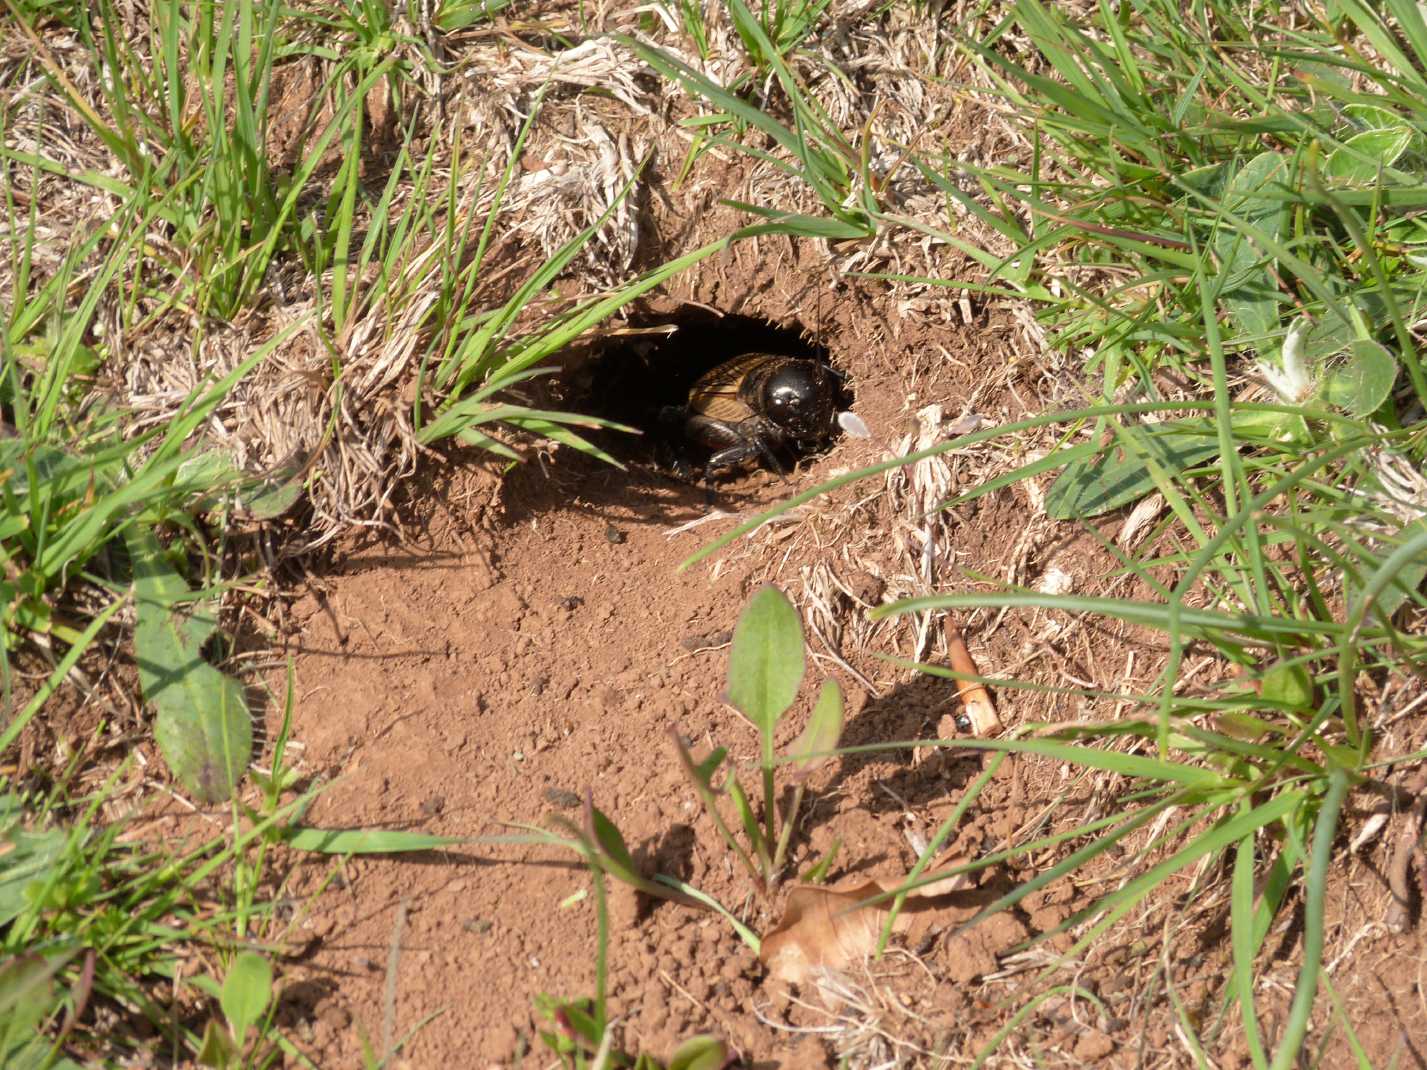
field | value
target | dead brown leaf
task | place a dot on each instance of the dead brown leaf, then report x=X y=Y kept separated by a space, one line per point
x=830 y=928
x=977 y=700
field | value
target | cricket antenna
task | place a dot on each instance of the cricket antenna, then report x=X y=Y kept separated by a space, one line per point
x=818 y=325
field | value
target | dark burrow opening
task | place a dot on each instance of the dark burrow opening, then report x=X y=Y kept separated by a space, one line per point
x=642 y=379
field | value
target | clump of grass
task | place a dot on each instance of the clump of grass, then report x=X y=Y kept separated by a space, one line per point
x=107 y=513
x=1304 y=519
x=812 y=149
x=75 y=483
x=119 y=944
x=205 y=219
x=1221 y=215
x=376 y=222
x=95 y=925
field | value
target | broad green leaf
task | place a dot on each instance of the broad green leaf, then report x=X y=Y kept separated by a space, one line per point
x=706 y=769
x=1330 y=335
x=1360 y=157
x=610 y=841
x=1117 y=475
x=203 y=727
x=260 y=498
x=1271 y=427
x=1406 y=230
x=1254 y=200
x=1372 y=117
x=1288 y=685
x=822 y=733
x=1361 y=378
x=1208 y=181
x=246 y=992
x=1241 y=725
x=766 y=664
x=1253 y=310
x=210 y=468
x=699 y=1053
x=57 y=472
x=271 y=498
x=458 y=14
x=21 y=613
x=27 y=998
x=26 y=858
x=218 y=1049
x=1407 y=581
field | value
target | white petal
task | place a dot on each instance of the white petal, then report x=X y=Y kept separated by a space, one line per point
x=852 y=423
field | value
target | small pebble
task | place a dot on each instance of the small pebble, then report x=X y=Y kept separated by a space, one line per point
x=565 y=800
x=706 y=642
x=334 y=1016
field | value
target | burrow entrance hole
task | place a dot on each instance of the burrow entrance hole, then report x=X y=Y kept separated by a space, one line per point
x=636 y=379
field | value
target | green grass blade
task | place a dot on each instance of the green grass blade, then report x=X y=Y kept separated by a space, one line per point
x=1316 y=881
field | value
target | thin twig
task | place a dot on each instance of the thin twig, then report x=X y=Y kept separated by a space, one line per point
x=393 y=961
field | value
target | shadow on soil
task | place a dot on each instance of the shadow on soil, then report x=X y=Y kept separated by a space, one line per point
x=909 y=712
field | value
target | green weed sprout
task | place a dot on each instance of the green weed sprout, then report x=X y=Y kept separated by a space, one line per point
x=578 y=1031
x=582 y=1038
x=765 y=671
x=247 y=991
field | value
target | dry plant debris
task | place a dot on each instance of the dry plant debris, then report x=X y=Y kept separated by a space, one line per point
x=826 y=930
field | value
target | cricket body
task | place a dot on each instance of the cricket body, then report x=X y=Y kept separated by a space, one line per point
x=755 y=404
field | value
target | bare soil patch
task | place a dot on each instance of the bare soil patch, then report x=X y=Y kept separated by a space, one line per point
x=479 y=679
x=534 y=641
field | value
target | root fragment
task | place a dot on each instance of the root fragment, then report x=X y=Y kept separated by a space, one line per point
x=1409 y=849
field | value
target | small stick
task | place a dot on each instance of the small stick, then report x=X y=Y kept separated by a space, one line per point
x=1409 y=849
x=973 y=696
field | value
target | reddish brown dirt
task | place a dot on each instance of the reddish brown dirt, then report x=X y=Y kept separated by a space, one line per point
x=539 y=644
x=534 y=641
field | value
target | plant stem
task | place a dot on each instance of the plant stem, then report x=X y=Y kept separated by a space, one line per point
x=601 y=942
x=705 y=795
x=770 y=813
x=787 y=834
x=1315 y=880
